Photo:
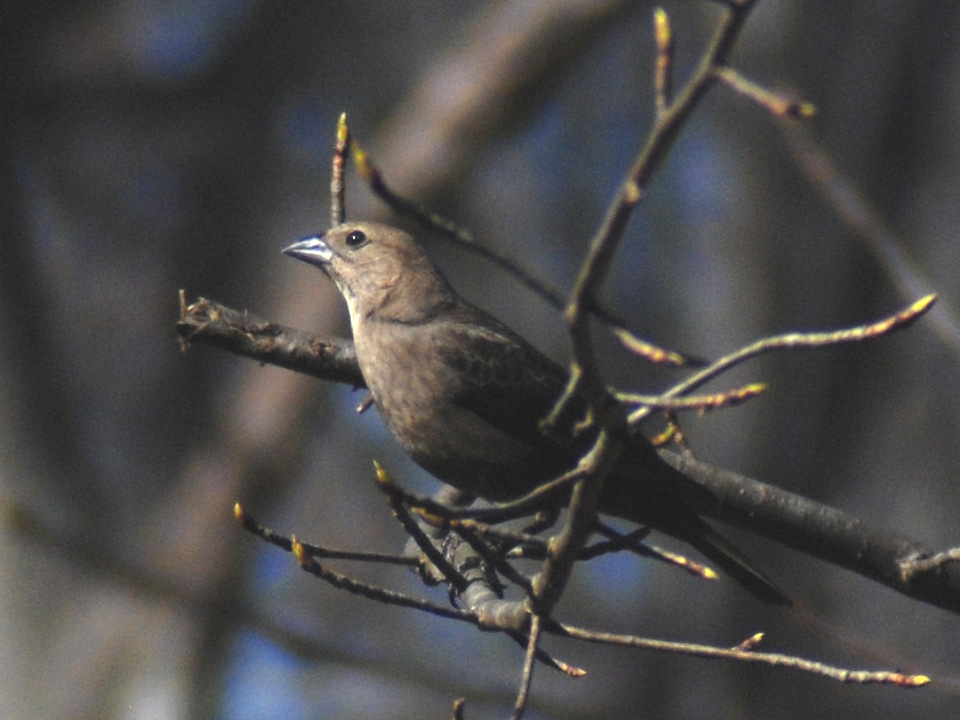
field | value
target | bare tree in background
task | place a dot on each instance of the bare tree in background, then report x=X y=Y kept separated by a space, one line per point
x=131 y=173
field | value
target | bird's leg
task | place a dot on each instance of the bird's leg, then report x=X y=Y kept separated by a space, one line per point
x=430 y=573
x=365 y=404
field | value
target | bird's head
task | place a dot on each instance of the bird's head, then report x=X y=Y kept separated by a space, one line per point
x=381 y=271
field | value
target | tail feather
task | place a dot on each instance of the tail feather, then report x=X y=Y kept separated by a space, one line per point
x=669 y=501
x=735 y=564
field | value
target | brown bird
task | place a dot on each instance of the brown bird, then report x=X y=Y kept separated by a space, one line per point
x=464 y=395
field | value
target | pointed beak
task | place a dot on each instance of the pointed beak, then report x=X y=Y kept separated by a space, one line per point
x=312 y=250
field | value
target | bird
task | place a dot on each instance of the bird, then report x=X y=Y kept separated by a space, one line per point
x=464 y=395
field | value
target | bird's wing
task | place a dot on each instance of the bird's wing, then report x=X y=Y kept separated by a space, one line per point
x=511 y=385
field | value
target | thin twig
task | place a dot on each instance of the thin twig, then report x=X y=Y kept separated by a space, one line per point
x=564 y=548
x=655 y=553
x=663 y=70
x=388 y=487
x=606 y=240
x=793 y=341
x=495 y=559
x=526 y=677
x=701 y=403
x=389 y=597
x=341 y=149
x=652 y=353
x=936 y=562
x=544 y=495
x=585 y=376
x=250 y=524
x=777 y=104
x=741 y=654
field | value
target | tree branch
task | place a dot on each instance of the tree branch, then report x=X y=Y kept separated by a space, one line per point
x=211 y=323
x=825 y=533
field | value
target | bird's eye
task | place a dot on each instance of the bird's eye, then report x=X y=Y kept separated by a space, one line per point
x=356 y=239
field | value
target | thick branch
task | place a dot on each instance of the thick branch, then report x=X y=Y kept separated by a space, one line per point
x=825 y=533
x=815 y=529
x=211 y=323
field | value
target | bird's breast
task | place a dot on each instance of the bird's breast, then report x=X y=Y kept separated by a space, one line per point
x=417 y=391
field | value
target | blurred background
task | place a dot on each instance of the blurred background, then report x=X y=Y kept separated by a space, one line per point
x=152 y=146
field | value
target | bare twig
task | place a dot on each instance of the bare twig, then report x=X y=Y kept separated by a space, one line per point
x=585 y=377
x=526 y=677
x=394 y=500
x=605 y=241
x=389 y=597
x=564 y=548
x=743 y=653
x=701 y=403
x=663 y=70
x=340 y=152
x=485 y=608
x=535 y=501
x=250 y=524
x=938 y=562
x=793 y=341
x=652 y=353
x=621 y=542
x=775 y=103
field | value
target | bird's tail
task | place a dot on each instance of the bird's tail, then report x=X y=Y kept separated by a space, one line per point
x=669 y=501
x=720 y=551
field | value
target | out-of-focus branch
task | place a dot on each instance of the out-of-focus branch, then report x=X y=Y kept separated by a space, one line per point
x=852 y=207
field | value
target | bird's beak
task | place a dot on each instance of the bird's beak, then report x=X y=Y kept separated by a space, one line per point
x=312 y=250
